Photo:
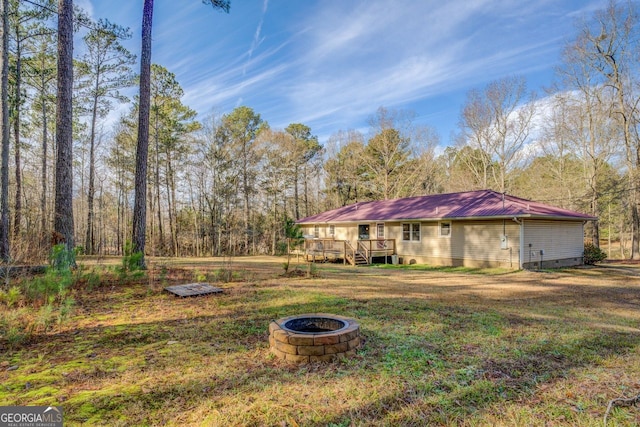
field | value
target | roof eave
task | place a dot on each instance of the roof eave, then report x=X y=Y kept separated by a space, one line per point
x=458 y=218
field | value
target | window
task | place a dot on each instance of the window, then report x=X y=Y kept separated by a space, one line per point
x=411 y=232
x=380 y=232
x=363 y=231
x=332 y=230
x=316 y=231
x=445 y=229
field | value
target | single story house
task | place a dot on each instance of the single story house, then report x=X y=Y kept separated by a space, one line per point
x=476 y=229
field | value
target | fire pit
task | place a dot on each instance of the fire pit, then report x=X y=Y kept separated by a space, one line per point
x=316 y=337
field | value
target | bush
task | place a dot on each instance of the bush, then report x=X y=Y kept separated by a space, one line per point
x=11 y=297
x=593 y=254
x=61 y=259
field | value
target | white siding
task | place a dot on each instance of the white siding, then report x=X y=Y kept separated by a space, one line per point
x=342 y=231
x=557 y=239
x=477 y=241
x=480 y=241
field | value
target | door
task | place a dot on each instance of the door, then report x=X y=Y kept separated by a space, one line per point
x=381 y=243
x=363 y=231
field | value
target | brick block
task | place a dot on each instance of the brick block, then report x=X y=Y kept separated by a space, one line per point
x=300 y=340
x=336 y=348
x=273 y=326
x=286 y=348
x=311 y=350
x=348 y=336
x=326 y=339
x=281 y=336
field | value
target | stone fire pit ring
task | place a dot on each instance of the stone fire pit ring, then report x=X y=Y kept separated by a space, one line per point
x=314 y=337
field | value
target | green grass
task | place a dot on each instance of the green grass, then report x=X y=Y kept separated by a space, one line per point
x=440 y=349
x=445 y=269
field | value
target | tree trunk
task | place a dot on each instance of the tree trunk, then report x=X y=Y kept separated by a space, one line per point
x=157 y=183
x=142 y=149
x=173 y=208
x=17 y=218
x=63 y=200
x=635 y=226
x=4 y=170
x=43 y=179
x=63 y=211
x=296 y=200
x=90 y=239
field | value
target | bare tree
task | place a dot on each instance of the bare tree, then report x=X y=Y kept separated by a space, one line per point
x=607 y=46
x=344 y=170
x=497 y=121
x=585 y=125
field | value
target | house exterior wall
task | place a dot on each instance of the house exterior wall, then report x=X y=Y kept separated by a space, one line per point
x=470 y=243
x=477 y=243
x=341 y=231
x=549 y=244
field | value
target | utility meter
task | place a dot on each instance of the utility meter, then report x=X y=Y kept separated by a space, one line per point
x=504 y=243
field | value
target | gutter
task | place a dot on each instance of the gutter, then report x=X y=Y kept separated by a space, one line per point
x=460 y=218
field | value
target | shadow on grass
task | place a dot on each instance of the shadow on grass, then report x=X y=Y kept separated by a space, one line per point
x=441 y=358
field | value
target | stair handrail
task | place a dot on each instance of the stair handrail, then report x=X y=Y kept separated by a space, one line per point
x=365 y=249
x=349 y=247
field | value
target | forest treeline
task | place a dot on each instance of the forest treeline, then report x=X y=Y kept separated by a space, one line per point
x=231 y=184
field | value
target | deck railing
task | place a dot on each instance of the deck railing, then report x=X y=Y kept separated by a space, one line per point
x=368 y=248
x=378 y=247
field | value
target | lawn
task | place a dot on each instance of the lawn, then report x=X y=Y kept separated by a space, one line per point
x=441 y=347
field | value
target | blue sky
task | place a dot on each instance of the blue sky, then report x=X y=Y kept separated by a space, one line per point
x=331 y=63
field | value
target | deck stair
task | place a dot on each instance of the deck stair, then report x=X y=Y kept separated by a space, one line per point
x=359 y=259
x=361 y=253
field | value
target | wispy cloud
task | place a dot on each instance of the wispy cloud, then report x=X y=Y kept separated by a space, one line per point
x=332 y=64
x=257 y=39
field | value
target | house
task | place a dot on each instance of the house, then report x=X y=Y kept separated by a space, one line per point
x=476 y=229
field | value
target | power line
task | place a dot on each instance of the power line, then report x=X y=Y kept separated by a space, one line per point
x=81 y=22
x=587 y=198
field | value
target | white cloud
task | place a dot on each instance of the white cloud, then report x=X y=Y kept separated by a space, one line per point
x=331 y=64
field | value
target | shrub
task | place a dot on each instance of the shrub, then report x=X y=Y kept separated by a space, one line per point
x=132 y=267
x=593 y=254
x=61 y=259
x=11 y=297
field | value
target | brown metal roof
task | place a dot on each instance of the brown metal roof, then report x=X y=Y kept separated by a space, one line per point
x=467 y=205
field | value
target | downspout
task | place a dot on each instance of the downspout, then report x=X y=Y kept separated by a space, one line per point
x=583 y=224
x=520 y=222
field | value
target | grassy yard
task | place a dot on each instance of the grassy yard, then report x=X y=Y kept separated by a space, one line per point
x=457 y=347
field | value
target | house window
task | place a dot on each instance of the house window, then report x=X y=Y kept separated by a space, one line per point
x=380 y=231
x=363 y=231
x=411 y=232
x=316 y=231
x=332 y=230
x=445 y=229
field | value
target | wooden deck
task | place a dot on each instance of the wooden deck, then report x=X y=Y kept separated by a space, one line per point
x=362 y=253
